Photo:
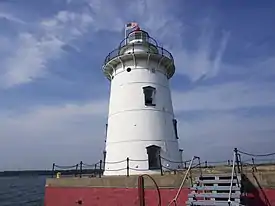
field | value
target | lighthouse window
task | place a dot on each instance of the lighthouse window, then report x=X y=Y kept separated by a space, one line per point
x=138 y=35
x=149 y=96
x=175 y=128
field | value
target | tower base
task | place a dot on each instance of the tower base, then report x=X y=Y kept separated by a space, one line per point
x=258 y=189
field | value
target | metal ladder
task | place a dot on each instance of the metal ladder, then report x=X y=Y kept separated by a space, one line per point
x=215 y=189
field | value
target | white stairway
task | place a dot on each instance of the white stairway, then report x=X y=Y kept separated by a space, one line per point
x=213 y=189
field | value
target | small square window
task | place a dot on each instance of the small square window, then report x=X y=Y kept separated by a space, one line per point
x=149 y=95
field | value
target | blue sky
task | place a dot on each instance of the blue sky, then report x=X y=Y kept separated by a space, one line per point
x=54 y=96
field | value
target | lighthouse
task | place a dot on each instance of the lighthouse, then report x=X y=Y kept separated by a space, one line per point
x=141 y=135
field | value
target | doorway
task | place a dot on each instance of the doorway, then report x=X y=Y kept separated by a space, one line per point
x=153 y=153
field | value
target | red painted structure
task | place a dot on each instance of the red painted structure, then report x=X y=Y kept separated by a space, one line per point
x=60 y=196
x=261 y=197
x=72 y=196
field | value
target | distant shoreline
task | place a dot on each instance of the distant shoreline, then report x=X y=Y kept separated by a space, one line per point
x=12 y=173
x=15 y=173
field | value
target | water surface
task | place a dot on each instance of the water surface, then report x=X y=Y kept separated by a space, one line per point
x=22 y=191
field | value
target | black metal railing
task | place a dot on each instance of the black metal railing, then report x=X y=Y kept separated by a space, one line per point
x=134 y=48
x=253 y=160
x=65 y=170
x=97 y=169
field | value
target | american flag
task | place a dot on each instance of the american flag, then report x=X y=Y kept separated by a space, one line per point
x=130 y=26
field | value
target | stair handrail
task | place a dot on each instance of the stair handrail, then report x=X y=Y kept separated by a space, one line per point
x=183 y=180
x=231 y=181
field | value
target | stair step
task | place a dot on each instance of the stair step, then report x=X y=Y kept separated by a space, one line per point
x=217 y=175
x=217 y=181
x=211 y=202
x=224 y=176
x=214 y=195
x=215 y=188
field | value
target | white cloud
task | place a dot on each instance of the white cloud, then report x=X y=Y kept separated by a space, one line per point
x=29 y=59
x=40 y=136
x=226 y=127
x=213 y=136
x=32 y=51
x=216 y=118
x=256 y=69
x=199 y=63
x=11 y=17
x=218 y=59
x=227 y=96
x=67 y=25
x=153 y=15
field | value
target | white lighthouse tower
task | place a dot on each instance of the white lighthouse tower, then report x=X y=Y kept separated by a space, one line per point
x=142 y=131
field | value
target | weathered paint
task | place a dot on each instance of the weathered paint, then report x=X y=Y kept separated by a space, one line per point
x=58 y=196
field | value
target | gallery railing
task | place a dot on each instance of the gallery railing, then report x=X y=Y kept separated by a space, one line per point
x=151 y=45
